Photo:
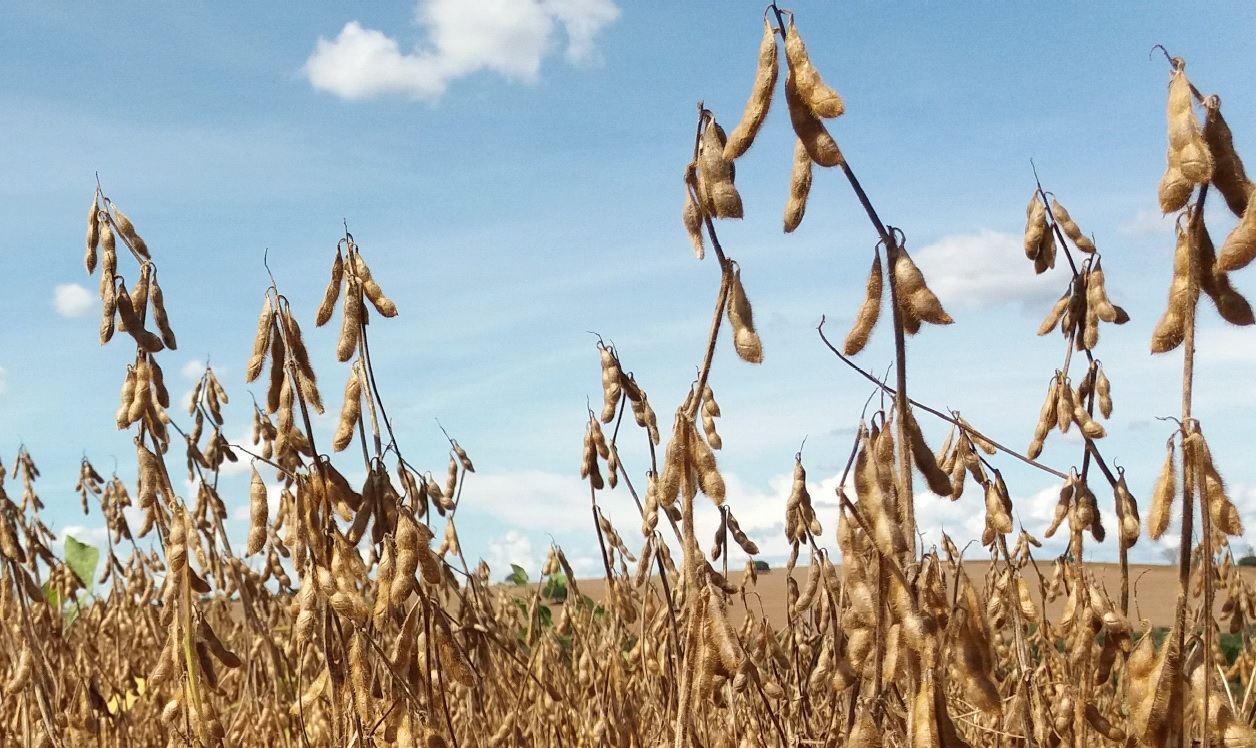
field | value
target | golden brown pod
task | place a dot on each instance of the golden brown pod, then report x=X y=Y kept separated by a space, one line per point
x=820 y=99
x=869 y=311
x=1231 y=305
x=261 y=341
x=160 y=318
x=131 y=323
x=1103 y=388
x=374 y=293
x=1175 y=189
x=1162 y=495
x=1225 y=516
x=1239 y=248
x=93 y=236
x=127 y=229
x=351 y=324
x=1183 y=294
x=914 y=296
x=691 y=215
x=799 y=187
x=1057 y=311
x=1228 y=175
x=1035 y=226
x=809 y=129
x=719 y=196
x=1186 y=143
x=938 y=480
x=350 y=411
x=1066 y=222
x=760 y=98
x=332 y=293
x=741 y=317
x=257 y=514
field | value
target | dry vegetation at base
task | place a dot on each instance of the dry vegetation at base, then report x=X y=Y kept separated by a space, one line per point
x=366 y=625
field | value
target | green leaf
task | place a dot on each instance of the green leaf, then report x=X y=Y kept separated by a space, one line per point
x=517 y=576
x=52 y=596
x=556 y=588
x=82 y=558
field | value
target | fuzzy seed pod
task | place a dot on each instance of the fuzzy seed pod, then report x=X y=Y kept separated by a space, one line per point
x=915 y=299
x=998 y=505
x=160 y=318
x=278 y=376
x=692 y=217
x=1175 y=189
x=741 y=317
x=127 y=229
x=134 y=326
x=257 y=514
x=820 y=99
x=407 y=559
x=351 y=325
x=261 y=341
x=1239 y=247
x=1097 y=302
x=301 y=357
x=799 y=187
x=1062 y=217
x=350 y=412
x=809 y=129
x=328 y=304
x=1186 y=144
x=703 y=459
x=869 y=311
x=1162 y=495
x=612 y=384
x=1130 y=527
x=1103 y=389
x=1228 y=175
x=938 y=480
x=382 y=303
x=1089 y=426
x=1224 y=515
x=93 y=236
x=1057 y=311
x=760 y=98
x=1183 y=294
x=716 y=191
x=1035 y=226
x=1231 y=305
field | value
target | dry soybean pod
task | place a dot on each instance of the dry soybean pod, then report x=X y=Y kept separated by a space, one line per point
x=328 y=304
x=869 y=311
x=820 y=99
x=741 y=317
x=809 y=129
x=760 y=98
x=715 y=174
x=1228 y=176
x=799 y=187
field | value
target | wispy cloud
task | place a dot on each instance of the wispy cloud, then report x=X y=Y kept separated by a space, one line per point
x=1148 y=223
x=72 y=300
x=987 y=268
x=508 y=37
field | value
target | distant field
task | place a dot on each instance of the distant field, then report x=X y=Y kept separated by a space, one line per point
x=1155 y=585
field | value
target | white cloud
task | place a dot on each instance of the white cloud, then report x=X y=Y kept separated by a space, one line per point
x=508 y=37
x=72 y=300
x=512 y=548
x=1148 y=223
x=193 y=369
x=984 y=269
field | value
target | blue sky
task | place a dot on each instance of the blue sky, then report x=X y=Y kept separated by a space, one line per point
x=511 y=170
